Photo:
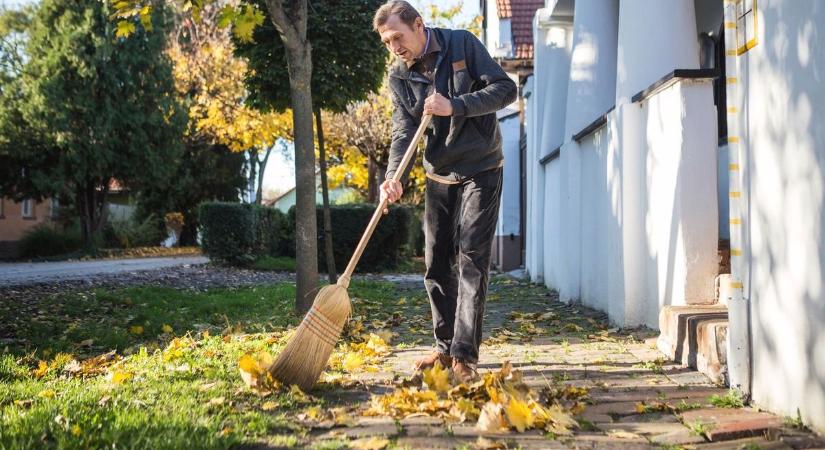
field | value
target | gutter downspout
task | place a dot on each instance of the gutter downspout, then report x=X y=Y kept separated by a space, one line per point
x=738 y=345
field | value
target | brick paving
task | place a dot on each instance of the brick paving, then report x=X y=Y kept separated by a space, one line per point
x=575 y=346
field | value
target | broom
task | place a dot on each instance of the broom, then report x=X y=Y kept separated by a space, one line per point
x=307 y=352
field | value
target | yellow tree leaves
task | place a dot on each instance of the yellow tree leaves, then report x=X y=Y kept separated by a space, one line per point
x=209 y=75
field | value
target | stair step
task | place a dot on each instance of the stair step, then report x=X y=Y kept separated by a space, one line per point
x=695 y=336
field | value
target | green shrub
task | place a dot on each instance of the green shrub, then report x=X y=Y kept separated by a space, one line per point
x=46 y=240
x=348 y=225
x=131 y=234
x=271 y=231
x=229 y=232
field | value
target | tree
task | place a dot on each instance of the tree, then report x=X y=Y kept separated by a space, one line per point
x=289 y=18
x=89 y=107
x=363 y=135
x=211 y=79
x=342 y=73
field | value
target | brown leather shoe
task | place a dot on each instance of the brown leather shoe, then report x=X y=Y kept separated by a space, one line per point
x=464 y=372
x=430 y=360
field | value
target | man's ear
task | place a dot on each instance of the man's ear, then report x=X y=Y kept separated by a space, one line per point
x=419 y=24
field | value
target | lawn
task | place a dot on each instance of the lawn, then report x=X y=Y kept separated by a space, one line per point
x=150 y=367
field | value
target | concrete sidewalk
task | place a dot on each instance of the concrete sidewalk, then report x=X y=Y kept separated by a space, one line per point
x=12 y=274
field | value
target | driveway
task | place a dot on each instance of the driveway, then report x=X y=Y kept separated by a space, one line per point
x=28 y=273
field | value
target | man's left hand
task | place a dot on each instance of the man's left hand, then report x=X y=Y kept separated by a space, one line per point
x=438 y=105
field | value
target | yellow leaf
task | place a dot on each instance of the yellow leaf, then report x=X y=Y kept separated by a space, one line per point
x=268 y=406
x=519 y=415
x=136 y=329
x=76 y=431
x=437 y=378
x=352 y=361
x=124 y=28
x=641 y=408
x=166 y=329
x=119 y=377
x=42 y=369
x=46 y=393
x=371 y=443
x=246 y=22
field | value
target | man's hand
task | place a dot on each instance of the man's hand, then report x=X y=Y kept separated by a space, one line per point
x=392 y=191
x=438 y=105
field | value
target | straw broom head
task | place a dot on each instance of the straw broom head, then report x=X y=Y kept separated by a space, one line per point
x=307 y=352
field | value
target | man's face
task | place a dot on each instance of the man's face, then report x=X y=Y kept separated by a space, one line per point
x=402 y=40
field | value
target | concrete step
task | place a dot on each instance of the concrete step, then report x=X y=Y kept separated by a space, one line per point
x=695 y=336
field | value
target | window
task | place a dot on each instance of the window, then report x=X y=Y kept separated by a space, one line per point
x=746 y=25
x=2 y=215
x=54 y=209
x=27 y=209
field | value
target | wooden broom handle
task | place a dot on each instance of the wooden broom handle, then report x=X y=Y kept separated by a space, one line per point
x=379 y=211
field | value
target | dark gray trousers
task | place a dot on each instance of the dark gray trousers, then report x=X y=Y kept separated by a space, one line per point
x=460 y=223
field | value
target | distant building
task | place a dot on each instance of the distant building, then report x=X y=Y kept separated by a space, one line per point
x=18 y=217
x=287 y=199
x=508 y=35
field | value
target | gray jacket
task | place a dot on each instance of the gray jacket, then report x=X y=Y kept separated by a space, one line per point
x=469 y=142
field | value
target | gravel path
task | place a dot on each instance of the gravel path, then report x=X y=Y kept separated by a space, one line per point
x=188 y=276
x=15 y=274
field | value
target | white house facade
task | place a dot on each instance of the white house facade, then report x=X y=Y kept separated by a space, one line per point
x=665 y=135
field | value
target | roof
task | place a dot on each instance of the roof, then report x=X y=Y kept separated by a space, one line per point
x=520 y=13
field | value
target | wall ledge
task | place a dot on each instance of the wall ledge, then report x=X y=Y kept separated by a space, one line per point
x=674 y=77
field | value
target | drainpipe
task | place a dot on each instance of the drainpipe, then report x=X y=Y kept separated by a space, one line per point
x=738 y=345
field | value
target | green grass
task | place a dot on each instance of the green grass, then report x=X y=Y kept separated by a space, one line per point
x=191 y=399
x=275 y=263
x=730 y=400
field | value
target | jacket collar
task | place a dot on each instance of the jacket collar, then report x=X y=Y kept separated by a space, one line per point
x=399 y=68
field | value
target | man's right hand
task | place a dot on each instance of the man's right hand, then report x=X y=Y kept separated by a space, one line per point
x=392 y=191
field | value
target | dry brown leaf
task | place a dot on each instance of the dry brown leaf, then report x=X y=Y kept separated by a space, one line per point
x=491 y=419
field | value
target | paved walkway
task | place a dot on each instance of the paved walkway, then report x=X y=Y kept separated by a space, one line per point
x=635 y=399
x=12 y=274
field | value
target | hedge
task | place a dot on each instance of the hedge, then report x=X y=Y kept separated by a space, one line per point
x=229 y=232
x=387 y=245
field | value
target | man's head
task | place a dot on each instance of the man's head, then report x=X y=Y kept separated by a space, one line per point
x=401 y=29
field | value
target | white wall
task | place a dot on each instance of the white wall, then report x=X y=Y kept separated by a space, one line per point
x=783 y=80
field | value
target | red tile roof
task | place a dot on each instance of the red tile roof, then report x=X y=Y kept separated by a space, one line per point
x=520 y=13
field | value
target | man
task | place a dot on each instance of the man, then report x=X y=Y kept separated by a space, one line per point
x=449 y=74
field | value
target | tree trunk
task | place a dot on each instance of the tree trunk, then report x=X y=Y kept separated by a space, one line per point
x=322 y=162
x=261 y=170
x=252 y=158
x=372 y=181
x=299 y=62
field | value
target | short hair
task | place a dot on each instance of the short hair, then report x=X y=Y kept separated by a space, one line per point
x=405 y=11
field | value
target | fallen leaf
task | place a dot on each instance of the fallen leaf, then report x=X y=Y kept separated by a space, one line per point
x=352 y=362
x=437 y=378
x=166 y=329
x=621 y=434
x=46 y=393
x=491 y=419
x=268 y=406
x=519 y=415
x=371 y=443
x=76 y=431
x=136 y=329
x=86 y=343
x=42 y=369
x=119 y=377
x=217 y=401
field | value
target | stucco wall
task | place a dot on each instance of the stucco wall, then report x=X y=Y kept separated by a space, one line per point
x=783 y=79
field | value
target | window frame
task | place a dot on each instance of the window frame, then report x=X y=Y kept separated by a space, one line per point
x=742 y=17
x=23 y=213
